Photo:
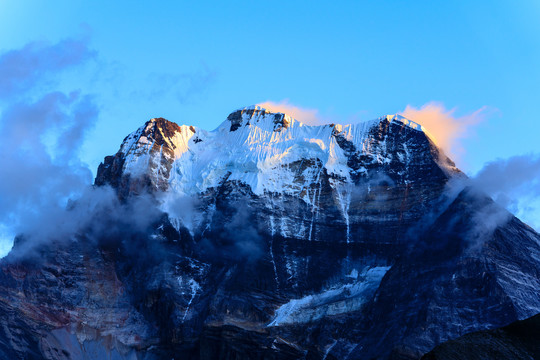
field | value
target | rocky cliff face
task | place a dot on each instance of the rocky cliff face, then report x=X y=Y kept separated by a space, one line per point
x=145 y=158
x=278 y=240
x=516 y=341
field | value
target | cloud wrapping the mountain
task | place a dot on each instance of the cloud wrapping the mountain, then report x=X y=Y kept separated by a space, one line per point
x=42 y=133
x=515 y=184
x=95 y=216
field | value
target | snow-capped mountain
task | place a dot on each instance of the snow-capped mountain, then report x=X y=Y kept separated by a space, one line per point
x=257 y=148
x=278 y=240
x=277 y=157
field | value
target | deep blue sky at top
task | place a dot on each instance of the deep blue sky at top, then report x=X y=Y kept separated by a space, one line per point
x=194 y=62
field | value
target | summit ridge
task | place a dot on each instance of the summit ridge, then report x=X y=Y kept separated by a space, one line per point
x=274 y=154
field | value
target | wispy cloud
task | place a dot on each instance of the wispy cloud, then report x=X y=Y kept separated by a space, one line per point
x=446 y=128
x=515 y=184
x=21 y=69
x=184 y=87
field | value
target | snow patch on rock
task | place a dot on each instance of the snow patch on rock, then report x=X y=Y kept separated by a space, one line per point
x=335 y=300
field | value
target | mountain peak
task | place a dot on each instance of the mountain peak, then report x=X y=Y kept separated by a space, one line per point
x=146 y=153
x=161 y=126
x=259 y=116
x=402 y=120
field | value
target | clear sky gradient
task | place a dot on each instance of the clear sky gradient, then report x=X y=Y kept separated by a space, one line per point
x=195 y=62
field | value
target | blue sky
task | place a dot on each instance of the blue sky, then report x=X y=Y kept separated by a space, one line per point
x=347 y=61
x=194 y=63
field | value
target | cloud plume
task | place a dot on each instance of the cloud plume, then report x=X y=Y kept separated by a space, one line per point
x=444 y=126
x=97 y=216
x=515 y=184
x=42 y=133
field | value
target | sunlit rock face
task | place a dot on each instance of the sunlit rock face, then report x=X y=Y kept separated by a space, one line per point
x=277 y=240
x=145 y=158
